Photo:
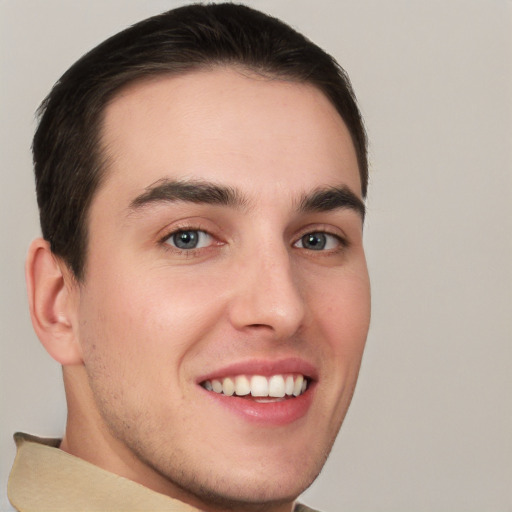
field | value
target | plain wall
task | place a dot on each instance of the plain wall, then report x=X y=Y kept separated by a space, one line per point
x=430 y=428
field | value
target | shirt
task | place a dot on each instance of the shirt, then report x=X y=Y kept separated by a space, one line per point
x=46 y=479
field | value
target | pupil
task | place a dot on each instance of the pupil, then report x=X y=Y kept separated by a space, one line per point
x=315 y=241
x=185 y=239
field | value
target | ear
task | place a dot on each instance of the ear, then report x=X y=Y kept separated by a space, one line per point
x=53 y=301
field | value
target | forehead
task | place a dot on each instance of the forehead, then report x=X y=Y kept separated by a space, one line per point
x=228 y=126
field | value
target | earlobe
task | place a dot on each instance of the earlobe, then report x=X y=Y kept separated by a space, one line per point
x=52 y=303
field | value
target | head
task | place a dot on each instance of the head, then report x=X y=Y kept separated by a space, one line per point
x=201 y=178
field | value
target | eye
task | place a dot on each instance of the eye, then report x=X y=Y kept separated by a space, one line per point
x=189 y=239
x=318 y=241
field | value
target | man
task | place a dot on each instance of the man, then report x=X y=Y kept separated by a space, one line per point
x=201 y=278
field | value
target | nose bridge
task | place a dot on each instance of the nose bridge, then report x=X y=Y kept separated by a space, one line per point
x=269 y=293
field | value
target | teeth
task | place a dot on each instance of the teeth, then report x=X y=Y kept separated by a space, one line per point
x=259 y=386
x=228 y=386
x=242 y=385
x=276 y=386
x=288 y=387
x=297 y=387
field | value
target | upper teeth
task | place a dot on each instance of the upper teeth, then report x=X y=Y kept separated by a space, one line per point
x=258 y=386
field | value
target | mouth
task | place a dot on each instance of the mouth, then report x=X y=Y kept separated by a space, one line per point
x=260 y=388
x=268 y=392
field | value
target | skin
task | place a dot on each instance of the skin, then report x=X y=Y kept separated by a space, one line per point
x=150 y=319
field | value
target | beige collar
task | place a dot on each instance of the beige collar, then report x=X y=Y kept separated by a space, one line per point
x=46 y=479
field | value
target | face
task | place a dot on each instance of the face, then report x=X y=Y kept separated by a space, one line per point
x=225 y=304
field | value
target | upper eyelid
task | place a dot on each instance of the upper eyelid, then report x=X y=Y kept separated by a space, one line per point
x=184 y=230
x=184 y=225
x=342 y=240
x=335 y=231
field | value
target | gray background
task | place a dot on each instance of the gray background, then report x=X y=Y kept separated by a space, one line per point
x=430 y=428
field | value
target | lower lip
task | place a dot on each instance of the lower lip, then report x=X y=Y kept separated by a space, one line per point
x=269 y=413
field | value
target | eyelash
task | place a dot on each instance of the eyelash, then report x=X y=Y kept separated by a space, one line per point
x=343 y=242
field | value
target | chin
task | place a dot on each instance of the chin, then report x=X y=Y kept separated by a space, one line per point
x=252 y=493
x=250 y=484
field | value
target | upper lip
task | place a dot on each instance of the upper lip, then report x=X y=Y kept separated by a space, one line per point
x=264 y=367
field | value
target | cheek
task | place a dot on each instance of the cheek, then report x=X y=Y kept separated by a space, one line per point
x=343 y=311
x=150 y=319
x=341 y=314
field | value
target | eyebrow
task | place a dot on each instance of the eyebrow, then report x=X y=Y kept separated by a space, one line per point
x=166 y=190
x=319 y=200
x=332 y=198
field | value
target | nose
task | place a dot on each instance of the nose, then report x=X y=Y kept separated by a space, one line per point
x=267 y=295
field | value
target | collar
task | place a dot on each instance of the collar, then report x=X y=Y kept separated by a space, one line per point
x=46 y=479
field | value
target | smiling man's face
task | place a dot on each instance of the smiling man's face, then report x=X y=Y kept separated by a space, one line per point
x=225 y=303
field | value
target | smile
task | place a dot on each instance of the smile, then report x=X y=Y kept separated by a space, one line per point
x=258 y=386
